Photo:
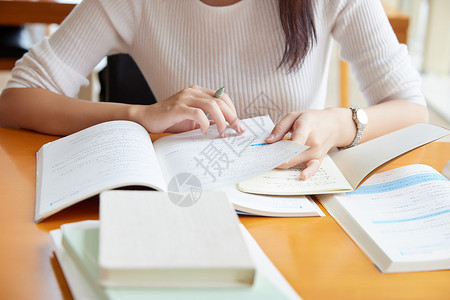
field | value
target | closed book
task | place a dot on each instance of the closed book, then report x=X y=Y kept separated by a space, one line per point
x=76 y=247
x=147 y=240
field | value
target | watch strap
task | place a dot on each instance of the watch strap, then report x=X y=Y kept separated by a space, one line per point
x=359 y=129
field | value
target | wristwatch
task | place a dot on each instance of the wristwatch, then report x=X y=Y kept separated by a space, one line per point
x=361 y=119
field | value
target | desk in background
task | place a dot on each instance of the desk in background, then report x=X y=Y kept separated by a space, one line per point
x=21 y=12
x=314 y=254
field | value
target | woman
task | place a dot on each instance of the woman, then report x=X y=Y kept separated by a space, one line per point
x=272 y=56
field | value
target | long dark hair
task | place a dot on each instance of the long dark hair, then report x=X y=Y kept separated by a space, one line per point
x=297 y=20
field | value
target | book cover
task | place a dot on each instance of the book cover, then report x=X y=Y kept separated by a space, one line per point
x=147 y=240
x=78 y=257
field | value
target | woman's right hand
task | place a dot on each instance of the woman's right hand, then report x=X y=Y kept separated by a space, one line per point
x=186 y=110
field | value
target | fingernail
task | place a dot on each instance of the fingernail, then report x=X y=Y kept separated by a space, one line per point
x=271 y=137
x=224 y=134
x=240 y=129
x=305 y=175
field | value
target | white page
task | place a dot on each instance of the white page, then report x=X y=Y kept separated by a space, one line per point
x=406 y=211
x=328 y=179
x=219 y=161
x=347 y=168
x=357 y=162
x=98 y=158
x=283 y=206
x=79 y=286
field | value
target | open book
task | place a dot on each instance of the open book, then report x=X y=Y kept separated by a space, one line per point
x=120 y=153
x=400 y=218
x=343 y=171
x=77 y=251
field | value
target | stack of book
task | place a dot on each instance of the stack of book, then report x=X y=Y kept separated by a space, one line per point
x=146 y=247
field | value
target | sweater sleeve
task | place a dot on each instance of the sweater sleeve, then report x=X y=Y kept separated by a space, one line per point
x=379 y=62
x=94 y=29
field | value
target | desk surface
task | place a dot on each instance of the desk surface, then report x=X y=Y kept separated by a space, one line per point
x=314 y=254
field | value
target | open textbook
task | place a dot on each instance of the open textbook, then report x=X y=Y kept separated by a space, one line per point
x=343 y=171
x=400 y=218
x=77 y=249
x=120 y=153
x=272 y=206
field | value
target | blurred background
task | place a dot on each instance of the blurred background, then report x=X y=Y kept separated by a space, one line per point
x=424 y=25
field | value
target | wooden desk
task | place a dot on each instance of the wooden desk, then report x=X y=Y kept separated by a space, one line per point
x=314 y=254
x=19 y=12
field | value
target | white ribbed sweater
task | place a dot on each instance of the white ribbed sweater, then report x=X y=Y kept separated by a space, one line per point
x=179 y=43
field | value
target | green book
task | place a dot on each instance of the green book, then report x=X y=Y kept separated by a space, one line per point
x=76 y=247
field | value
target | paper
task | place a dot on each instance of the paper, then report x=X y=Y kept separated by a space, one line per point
x=403 y=215
x=120 y=153
x=273 y=206
x=219 y=161
x=287 y=182
x=98 y=158
x=344 y=170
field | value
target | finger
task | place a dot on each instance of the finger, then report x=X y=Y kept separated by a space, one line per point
x=191 y=113
x=225 y=97
x=198 y=97
x=312 y=166
x=280 y=130
x=200 y=118
x=300 y=133
x=300 y=158
x=231 y=117
x=218 y=110
x=210 y=106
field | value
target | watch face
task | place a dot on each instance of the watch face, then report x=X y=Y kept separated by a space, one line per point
x=361 y=116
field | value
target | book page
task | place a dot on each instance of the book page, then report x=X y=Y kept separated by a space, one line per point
x=272 y=206
x=217 y=161
x=357 y=162
x=406 y=211
x=328 y=179
x=101 y=157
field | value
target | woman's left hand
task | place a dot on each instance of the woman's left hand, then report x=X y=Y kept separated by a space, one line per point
x=321 y=130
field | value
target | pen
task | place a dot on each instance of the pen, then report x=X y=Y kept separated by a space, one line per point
x=219 y=93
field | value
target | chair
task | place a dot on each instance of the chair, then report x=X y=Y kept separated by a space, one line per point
x=122 y=81
x=14 y=43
